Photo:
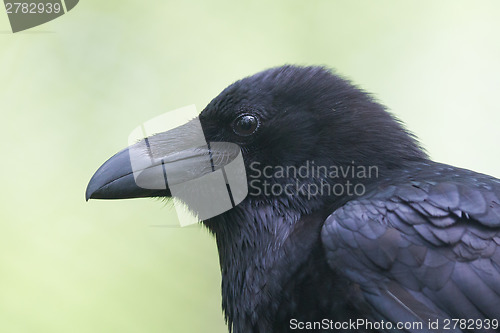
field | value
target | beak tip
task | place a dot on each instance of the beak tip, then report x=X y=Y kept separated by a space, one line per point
x=89 y=192
x=112 y=171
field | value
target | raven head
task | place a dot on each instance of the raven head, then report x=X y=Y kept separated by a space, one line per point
x=285 y=117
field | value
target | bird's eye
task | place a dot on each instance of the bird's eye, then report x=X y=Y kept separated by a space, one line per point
x=245 y=125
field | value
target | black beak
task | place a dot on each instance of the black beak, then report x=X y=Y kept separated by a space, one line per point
x=115 y=180
x=166 y=163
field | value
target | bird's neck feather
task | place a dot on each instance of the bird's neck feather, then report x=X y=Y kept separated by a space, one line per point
x=256 y=258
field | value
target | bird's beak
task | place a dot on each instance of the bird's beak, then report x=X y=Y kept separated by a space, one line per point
x=163 y=164
x=115 y=180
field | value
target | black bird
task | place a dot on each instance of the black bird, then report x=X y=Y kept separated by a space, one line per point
x=415 y=244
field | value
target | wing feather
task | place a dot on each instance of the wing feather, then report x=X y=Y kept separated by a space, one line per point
x=422 y=250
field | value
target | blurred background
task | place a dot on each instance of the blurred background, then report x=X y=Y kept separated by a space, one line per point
x=72 y=90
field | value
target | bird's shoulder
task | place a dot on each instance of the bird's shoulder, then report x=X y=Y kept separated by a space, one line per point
x=427 y=199
x=423 y=245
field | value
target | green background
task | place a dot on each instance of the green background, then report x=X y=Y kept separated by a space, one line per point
x=72 y=90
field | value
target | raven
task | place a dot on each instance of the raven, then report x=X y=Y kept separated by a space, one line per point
x=373 y=237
